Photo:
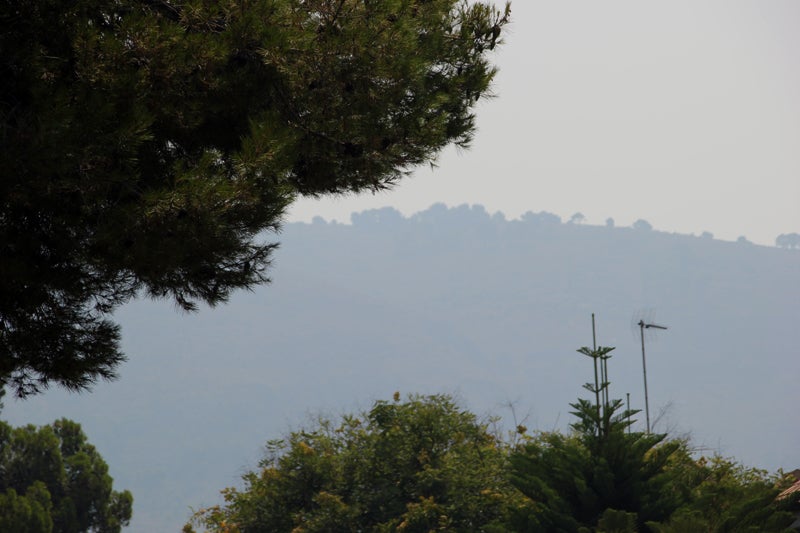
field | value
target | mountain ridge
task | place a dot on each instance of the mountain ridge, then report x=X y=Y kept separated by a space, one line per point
x=447 y=300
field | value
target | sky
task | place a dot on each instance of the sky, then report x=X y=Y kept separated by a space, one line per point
x=685 y=114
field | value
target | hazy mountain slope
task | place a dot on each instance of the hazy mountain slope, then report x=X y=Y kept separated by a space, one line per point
x=450 y=300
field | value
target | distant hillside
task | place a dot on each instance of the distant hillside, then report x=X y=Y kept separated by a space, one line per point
x=448 y=300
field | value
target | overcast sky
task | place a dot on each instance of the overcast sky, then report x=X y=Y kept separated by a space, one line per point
x=683 y=113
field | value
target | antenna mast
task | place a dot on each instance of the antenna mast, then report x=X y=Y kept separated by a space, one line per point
x=596 y=384
x=642 y=327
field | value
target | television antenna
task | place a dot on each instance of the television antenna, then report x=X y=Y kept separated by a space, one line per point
x=643 y=326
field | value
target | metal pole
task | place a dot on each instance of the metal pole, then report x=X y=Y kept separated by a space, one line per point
x=628 y=396
x=603 y=377
x=596 y=384
x=607 y=381
x=644 y=372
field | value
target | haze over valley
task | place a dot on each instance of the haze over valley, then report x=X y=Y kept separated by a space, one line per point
x=453 y=300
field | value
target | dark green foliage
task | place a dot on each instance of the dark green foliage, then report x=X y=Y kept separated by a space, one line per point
x=573 y=483
x=728 y=497
x=614 y=521
x=426 y=465
x=604 y=477
x=575 y=479
x=29 y=513
x=147 y=143
x=52 y=479
x=415 y=466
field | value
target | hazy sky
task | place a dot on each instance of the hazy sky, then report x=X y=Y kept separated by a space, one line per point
x=684 y=113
